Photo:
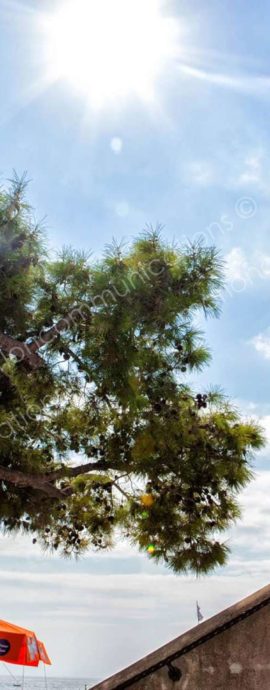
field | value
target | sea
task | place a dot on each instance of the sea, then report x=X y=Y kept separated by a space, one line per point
x=7 y=683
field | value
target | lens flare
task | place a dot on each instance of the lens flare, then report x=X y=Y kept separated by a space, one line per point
x=145 y=514
x=147 y=500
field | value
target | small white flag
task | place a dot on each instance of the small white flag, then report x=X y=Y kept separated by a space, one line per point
x=199 y=613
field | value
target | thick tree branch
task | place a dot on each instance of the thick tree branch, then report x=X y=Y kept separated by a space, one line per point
x=30 y=480
x=11 y=346
x=44 y=482
x=28 y=352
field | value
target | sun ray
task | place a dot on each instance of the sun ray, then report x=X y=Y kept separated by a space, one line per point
x=257 y=85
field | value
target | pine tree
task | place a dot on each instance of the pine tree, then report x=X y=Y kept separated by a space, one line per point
x=99 y=429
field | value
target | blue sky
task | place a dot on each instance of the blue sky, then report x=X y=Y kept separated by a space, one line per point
x=196 y=160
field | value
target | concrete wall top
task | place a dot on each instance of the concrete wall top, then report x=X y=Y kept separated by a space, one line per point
x=183 y=645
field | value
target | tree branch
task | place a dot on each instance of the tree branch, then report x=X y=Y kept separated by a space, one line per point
x=47 y=336
x=121 y=490
x=28 y=352
x=34 y=481
x=21 y=351
x=44 y=482
x=66 y=471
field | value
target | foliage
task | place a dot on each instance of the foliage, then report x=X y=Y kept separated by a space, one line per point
x=104 y=433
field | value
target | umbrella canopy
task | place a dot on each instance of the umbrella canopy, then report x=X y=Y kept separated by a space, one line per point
x=43 y=653
x=20 y=646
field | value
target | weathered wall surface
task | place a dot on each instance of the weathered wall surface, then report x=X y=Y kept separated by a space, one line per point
x=237 y=659
x=230 y=651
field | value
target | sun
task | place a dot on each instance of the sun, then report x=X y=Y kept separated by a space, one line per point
x=110 y=49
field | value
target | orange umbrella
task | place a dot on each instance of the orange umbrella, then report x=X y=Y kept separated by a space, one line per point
x=43 y=653
x=19 y=645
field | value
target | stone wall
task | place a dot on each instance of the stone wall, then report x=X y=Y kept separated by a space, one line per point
x=238 y=658
x=230 y=651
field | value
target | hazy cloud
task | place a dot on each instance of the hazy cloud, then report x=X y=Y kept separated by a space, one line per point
x=261 y=342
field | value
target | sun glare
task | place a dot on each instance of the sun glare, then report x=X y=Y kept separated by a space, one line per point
x=110 y=49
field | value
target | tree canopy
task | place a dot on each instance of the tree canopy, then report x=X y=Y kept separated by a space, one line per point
x=100 y=433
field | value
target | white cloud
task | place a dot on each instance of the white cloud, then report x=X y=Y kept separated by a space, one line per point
x=248 y=170
x=237 y=265
x=264 y=261
x=265 y=422
x=116 y=145
x=252 y=172
x=261 y=342
x=243 y=270
x=201 y=173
